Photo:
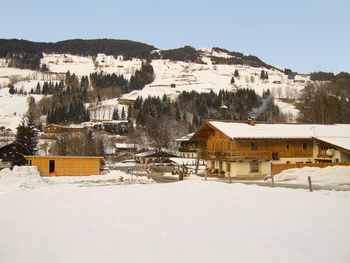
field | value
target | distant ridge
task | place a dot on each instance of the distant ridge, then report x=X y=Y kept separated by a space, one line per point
x=27 y=54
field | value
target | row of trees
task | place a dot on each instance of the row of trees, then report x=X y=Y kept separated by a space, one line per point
x=163 y=118
x=319 y=104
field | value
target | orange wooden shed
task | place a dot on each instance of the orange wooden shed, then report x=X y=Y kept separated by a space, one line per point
x=67 y=165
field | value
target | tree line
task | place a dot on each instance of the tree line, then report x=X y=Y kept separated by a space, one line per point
x=27 y=54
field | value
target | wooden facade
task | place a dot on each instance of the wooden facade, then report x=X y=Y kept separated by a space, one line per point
x=67 y=165
x=254 y=156
x=54 y=128
x=126 y=101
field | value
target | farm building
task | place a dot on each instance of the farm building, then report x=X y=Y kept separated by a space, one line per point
x=153 y=157
x=54 y=129
x=249 y=148
x=67 y=165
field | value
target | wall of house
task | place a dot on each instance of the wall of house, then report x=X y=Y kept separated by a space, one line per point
x=294 y=160
x=285 y=149
x=243 y=169
x=68 y=166
x=344 y=157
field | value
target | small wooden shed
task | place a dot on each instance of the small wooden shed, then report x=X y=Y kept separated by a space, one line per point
x=67 y=165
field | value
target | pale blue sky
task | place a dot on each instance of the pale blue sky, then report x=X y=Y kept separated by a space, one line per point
x=305 y=36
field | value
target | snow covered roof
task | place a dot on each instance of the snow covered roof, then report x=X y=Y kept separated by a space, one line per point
x=126 y=145
x=337 y=134
x=185 y=138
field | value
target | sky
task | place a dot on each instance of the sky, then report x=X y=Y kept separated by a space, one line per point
x=305 y=36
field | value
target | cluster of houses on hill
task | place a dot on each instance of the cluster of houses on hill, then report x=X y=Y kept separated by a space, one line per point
x=230 y=148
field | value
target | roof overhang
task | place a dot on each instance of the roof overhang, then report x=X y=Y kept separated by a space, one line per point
x=332 y=145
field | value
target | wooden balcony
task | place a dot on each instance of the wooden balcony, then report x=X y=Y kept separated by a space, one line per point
x=236 y=155
x=188 y=149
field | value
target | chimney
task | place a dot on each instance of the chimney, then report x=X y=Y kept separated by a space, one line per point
x=251 y=121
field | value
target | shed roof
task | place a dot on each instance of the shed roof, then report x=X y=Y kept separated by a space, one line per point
x=185 y=138
x=66 y=157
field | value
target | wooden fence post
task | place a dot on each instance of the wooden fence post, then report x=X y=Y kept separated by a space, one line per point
x=229 y=177
x=310 y=184
x=197 y=164
x=272 y=179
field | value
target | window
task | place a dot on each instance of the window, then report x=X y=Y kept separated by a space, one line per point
x=212 y=146
x=287 y=146
x=304 y=146
x=222 y=146
x=229 y=146
x=254 y=146
x=254 y=167
x=275 y=156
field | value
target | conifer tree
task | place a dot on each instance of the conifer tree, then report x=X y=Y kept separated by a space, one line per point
x=26 y=141
x=115 y=115
x=123 y=114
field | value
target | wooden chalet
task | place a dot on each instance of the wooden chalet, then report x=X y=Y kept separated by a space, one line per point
x=6 y=150
x=154 y=157
x=249 y=148
x=188 y=148
x=54 y=129
x=67 y=165
x=126 y=101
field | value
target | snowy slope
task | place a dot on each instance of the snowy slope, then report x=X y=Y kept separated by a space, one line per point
x=189 y=221
x=185 y=76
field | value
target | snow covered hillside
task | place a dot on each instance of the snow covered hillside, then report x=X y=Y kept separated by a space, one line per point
x=171 y=78
x=188 y=221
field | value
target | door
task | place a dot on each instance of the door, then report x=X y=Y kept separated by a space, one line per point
x=51 y=166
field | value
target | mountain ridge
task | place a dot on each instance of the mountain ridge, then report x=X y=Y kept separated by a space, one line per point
x=27 y=54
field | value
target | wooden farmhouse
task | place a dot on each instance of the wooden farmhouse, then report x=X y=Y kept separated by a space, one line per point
x=54 y=129
x=67 y=165
x=249 y=148
x=154 y=157
x=126 y=102
x=188 y=148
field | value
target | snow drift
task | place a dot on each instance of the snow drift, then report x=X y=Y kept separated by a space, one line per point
x=28 y=177
x=20 y=178
x=328 y=176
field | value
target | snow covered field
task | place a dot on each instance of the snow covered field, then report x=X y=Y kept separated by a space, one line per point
x=188 y=221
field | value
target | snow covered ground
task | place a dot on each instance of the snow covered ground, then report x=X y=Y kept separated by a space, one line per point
x=188 y=221
x=332 y=176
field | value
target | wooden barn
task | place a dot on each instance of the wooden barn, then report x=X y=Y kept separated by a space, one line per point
x=67 y=165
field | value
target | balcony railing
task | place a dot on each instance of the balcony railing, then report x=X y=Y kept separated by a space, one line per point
x=188 y=149
x=237 y=155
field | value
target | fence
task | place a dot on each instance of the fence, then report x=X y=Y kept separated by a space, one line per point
x=277 y=168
